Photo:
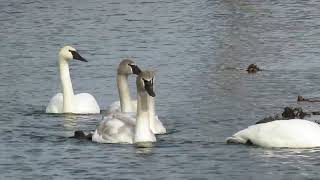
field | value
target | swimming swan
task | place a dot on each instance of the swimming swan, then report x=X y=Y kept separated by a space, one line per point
x=67 y=102
x=126 y=104
x=293 y=133
x=122 y=128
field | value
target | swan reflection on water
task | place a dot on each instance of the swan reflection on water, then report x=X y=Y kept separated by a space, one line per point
x=70 y=121
x=74 y=122
x=144 y=151
x=285 y=153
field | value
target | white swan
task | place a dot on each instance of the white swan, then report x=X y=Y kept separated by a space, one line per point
x=67 y=102
x=126 y=104
x=122 y=127
x=293 y=133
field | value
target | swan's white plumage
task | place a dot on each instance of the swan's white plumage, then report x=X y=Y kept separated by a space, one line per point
x=83 y=103
x=294 y=133
x=115 y=128
x=129 y=127
x=119 y=128
x=126 y=68
x=115 y=107
x=56 y=104
x=156 y=127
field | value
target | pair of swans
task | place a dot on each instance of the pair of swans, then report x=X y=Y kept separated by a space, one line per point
x=84 y=103
x=128 y=106
x=131 y=128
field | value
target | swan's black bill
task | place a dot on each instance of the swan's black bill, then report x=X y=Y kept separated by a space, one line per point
x=148 y=86
x=135 y=69
x=77 y=56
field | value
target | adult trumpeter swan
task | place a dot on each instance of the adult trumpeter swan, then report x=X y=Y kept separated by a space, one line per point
x=68 y=102
x=122 y=128
x=126 y=104
x=293 y=133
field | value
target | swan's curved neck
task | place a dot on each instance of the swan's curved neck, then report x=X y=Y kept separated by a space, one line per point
x=124 y=93
x=66 y=85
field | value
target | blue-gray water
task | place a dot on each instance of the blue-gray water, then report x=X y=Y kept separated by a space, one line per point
x=193 y=45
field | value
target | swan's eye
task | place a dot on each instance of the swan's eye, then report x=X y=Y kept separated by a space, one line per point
x=148 y=83
x=149 y=87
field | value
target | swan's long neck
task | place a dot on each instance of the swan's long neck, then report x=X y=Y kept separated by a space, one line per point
x=152 y=113
x=124 y=93
x=142 y=132
x=68 y=94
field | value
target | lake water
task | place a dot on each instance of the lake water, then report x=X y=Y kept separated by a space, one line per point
x=196 y=47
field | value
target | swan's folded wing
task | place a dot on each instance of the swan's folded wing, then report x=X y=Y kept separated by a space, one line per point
x=114 y=107
x=56 y=104
x=157 y=127
x=114 y=130
x=127 y=118
x=86 y=103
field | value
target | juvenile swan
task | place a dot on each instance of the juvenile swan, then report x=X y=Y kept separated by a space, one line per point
x=68 y=102
x=120 y=128
x=126 y=68
x=293 y=133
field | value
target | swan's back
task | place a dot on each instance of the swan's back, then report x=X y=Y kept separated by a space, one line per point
x=56 y=104
x=295 y=133
x=116 y=128
x=86 y=104
x=115 y=107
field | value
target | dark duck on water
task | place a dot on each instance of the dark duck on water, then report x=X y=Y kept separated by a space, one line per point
x=252 y=68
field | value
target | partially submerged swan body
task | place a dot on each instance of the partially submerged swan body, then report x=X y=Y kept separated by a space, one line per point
x=68 y=102
x=293 y=133
x=85 y=104
x=122 y=127
x=156 y=125
x=126 y=105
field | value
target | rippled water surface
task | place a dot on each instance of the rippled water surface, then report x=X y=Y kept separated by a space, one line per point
x=196 y=48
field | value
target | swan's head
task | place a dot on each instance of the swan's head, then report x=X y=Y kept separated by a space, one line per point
x=128 y=67
x=68 y=53
x=145 y=82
